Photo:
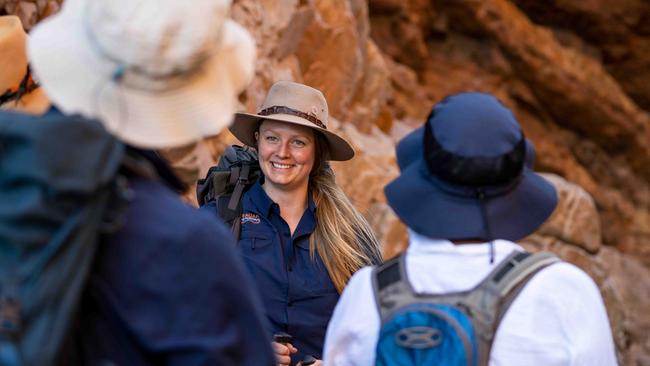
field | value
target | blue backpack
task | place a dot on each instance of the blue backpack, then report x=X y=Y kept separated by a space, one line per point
x=62 y=187
x=446 y=329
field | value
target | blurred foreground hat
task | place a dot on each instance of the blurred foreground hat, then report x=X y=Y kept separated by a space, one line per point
x=157 y=73
x=466 y=174
x=17 y=89
x=293 y=103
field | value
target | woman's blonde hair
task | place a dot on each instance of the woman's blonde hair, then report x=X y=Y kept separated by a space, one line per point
x=343 y=238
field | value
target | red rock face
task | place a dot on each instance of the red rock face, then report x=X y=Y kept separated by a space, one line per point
x=575 y=72
x=30 y=12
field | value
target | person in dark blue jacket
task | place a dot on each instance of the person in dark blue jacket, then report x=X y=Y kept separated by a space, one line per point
x=167 y=288
x=300 y=238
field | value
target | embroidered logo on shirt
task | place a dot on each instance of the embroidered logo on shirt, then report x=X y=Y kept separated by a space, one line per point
x=250 y=217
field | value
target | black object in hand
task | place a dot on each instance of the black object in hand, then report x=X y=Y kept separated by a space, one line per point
x=283 y=338
x=308 y=360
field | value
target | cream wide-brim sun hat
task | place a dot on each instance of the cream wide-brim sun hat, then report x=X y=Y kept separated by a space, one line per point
x=293 y=103
x=80 y=78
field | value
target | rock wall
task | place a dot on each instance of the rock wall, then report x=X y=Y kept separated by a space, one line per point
x=575 y=72
x=30 y=12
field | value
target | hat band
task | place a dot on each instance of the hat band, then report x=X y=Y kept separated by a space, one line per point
x=26 y=86
x=472 y=171
x=280 y=109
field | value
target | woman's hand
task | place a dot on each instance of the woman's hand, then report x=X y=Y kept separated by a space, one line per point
x=283 y=352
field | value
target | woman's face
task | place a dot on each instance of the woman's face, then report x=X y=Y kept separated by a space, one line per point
x=286 y=154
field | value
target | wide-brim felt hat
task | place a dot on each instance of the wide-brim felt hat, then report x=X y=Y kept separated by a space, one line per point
x=13 y=67
x=156 y=74
x=297 y=104
x=467 y=174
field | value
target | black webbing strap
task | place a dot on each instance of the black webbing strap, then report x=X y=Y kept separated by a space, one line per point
x=242 y=181
x=384 y=275
x=499 y=290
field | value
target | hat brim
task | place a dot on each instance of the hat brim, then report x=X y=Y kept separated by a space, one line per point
x=429 y=207
x=409 y=148
x=78 y=80
x=245 y=125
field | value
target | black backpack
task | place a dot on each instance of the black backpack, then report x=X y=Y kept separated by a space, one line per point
x=237 y=170
x=63 y=186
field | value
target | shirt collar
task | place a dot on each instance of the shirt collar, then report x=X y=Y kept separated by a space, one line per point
x=307 y=223
x=264 y=203
x=422 y=244
x=54 y=111
x=260 y=199
x=310 y=202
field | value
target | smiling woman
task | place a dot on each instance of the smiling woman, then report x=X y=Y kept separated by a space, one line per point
x=286 y=154
x=300 y=238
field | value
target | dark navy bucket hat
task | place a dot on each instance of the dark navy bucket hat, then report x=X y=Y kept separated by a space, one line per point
x=467 y=174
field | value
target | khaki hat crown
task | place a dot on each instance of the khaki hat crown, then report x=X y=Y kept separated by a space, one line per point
x=298 y=97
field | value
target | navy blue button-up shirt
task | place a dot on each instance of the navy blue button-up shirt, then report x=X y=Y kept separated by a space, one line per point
x=297 y=292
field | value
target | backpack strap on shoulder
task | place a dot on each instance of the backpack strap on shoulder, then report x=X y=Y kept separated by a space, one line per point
x=232 y=218
x=518 y=270
x=242 y=180
x=391 y=287
x=490 y=300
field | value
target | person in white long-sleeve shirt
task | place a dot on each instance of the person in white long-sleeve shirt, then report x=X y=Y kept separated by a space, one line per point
x=558 y=318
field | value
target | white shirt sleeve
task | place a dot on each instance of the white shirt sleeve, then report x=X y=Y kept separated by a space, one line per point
x=354 y=327
x=558 y=319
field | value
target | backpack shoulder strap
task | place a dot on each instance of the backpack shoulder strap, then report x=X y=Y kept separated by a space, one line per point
x=518 y=269
x=232 y=218
x=490 y=300
x=391 y=287
x=241 y=178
